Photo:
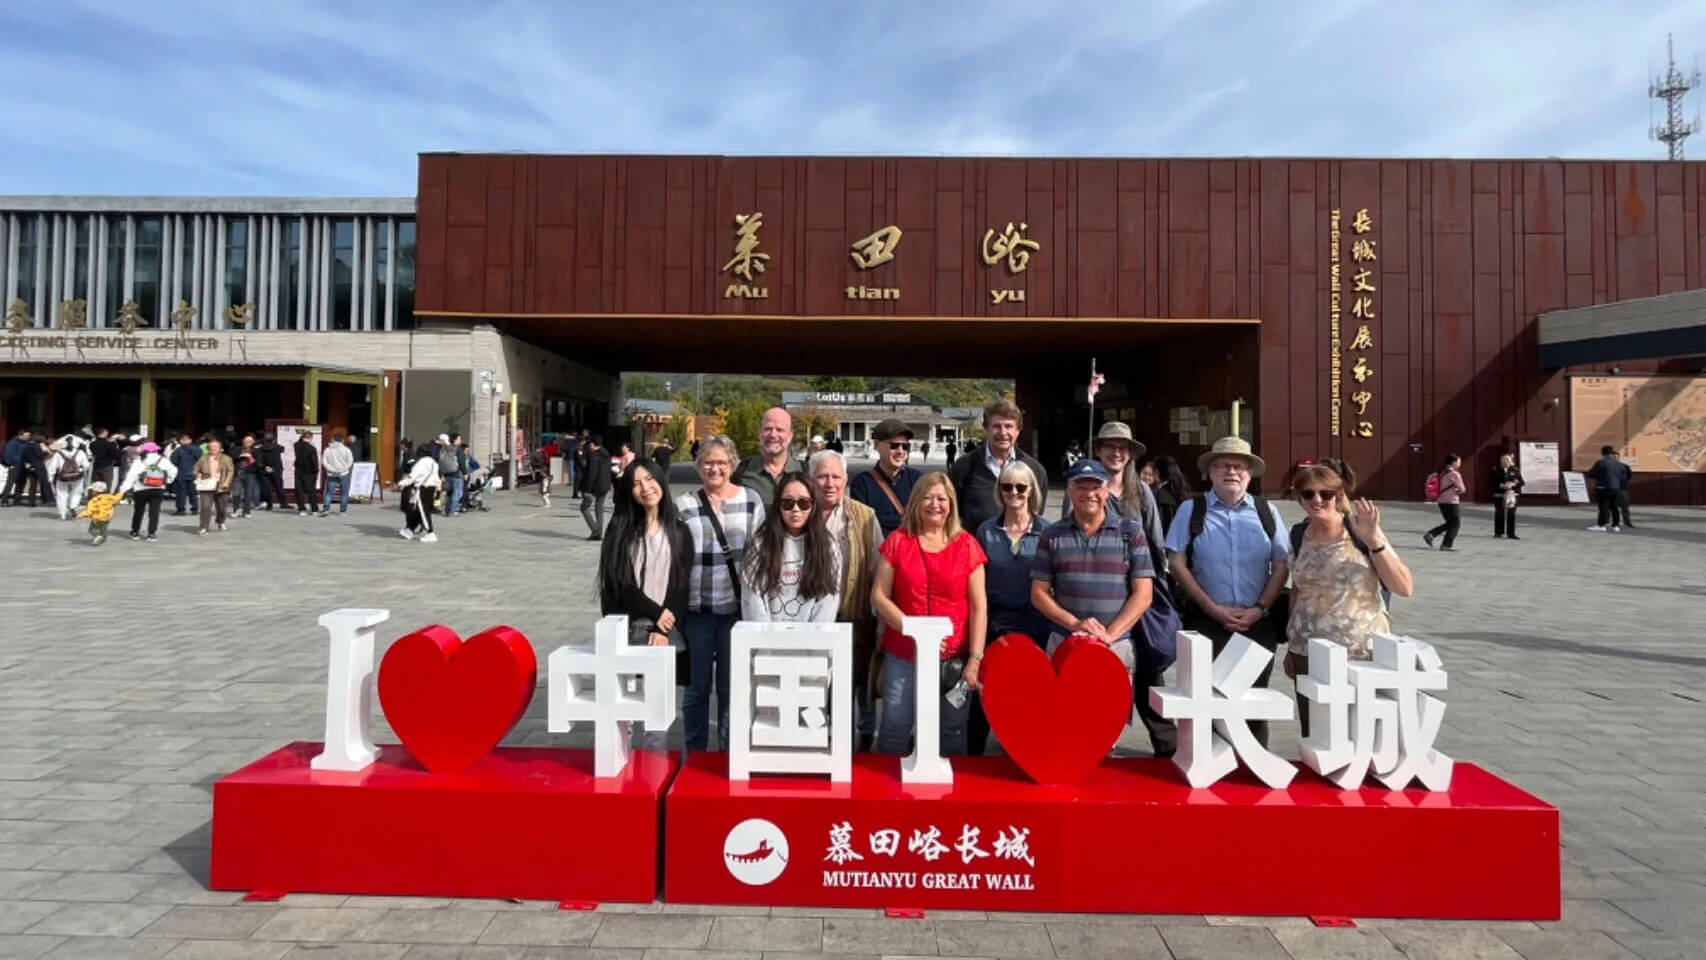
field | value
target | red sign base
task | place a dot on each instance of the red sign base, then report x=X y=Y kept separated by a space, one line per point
x=526 y=822
x=1132 y=838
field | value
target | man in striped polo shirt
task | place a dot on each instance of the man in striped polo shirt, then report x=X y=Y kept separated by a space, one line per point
x=1092 y=573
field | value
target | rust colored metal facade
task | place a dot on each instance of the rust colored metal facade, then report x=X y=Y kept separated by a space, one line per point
x=1469 y=253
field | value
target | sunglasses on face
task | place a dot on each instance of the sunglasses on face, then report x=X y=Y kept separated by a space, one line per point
x=801 y=504
x=1015 y=488
x=899 y=445
x=1325 y=496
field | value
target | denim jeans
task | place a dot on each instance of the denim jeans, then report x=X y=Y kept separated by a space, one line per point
x=248 y=493
x=342 y=483
x=453 y=495
x=899 y=711
x=183 y=490
x=707 y=650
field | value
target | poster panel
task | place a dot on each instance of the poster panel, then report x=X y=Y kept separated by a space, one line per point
x=1656 y=424
x=1539 y=465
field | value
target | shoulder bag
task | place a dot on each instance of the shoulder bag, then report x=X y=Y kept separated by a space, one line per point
x=714 y=516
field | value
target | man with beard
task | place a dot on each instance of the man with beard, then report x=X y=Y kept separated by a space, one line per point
x=775 y=457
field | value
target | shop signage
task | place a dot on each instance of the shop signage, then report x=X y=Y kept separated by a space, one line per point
x=107 y=341
x=845 y=399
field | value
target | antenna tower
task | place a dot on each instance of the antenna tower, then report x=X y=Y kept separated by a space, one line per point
x=1672 y=88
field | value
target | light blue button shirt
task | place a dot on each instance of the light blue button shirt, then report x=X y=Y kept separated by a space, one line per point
x=1233 y=556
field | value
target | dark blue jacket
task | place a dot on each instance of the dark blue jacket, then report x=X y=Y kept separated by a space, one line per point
x=1610 y=474
x=868 y=490
x=185 y=457
x=14 y=450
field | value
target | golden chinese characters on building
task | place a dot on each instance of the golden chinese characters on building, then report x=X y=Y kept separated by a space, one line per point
x=18 y=317
x=129 y=317
x=1013 y=248
x=748 y=261
x=1363 y=253
x=74 y=314
x=239 y=314
x=184 y=316
x=871 y=251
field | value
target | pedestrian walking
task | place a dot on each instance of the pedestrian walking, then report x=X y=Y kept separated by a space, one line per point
x=306 y=467
x=68 y=469
x=212 y=475
x=339 y=462
x=419 y=486
x=248 y=484
x=184 y=454
x=106 y=457
x=146 y=483
x=1446 y=489
x=595 y=485
x=99 y=510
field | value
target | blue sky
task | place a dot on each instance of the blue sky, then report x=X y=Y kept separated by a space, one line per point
x=290 y=97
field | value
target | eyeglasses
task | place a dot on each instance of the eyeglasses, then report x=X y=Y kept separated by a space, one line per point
x=801 y=504
x=716 y=464
x=1015 y=488
x=898 y=444
x=1324 y=496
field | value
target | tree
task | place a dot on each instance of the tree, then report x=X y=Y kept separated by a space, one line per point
x=741 y=423
x=812 y=420
x=645 y=386
x=675 y=428
x=839 y=384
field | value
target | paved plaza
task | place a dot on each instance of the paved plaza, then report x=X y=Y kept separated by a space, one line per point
x=133 y=675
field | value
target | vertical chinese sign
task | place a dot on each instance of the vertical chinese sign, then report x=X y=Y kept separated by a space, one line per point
x=1364 y=255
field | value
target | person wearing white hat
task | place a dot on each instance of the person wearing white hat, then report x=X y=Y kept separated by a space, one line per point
x=1229 y=551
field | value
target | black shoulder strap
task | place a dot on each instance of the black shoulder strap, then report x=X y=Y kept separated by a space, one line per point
x=722 y=540
x=1265 y=513
x=1199 y=515
x=1297 y=531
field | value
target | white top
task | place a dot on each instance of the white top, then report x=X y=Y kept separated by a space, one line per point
x=785 y=605
x=143 y=465
x=651 y=564
x=424 y=474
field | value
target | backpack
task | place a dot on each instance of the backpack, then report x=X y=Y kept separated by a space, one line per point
x=152 y=475
x=1297 y=532
x=70 y=471
x=1430 y=490
x=1159 y=625
x=1199 y=516
x=447 y=462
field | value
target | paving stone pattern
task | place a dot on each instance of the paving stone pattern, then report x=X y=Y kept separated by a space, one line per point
x=133 y=675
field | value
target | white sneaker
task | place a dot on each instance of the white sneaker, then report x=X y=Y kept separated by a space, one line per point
x=405 y=534
x=1615 y=528
x=429 y=538
x=1596 y=528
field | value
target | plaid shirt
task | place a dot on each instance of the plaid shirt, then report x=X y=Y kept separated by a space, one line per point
x=709 y=589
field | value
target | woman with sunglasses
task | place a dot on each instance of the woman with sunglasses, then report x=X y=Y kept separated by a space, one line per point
x=1342 y=566
x=790 y=574
x=1009 y=542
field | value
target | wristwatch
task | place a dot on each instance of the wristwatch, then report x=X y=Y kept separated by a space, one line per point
x=1262 y=607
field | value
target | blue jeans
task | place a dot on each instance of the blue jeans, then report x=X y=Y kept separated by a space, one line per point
x=342 y=483
x=183 y=489
x=707 y=649
x=453 y=498
x=899 y=712
x=248 y=490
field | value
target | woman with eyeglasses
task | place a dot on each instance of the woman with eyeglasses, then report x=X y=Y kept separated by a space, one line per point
x=1009 y=543
x=1342 y=567
x=790 y=573
x=930 y=568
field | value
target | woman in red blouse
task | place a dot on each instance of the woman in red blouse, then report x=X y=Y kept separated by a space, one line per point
x=930 y=568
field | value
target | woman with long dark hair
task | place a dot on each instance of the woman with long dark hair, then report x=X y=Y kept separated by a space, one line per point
x=790 y=574
x=644 y=560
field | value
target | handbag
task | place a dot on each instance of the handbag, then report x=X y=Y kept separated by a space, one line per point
x=953 y=668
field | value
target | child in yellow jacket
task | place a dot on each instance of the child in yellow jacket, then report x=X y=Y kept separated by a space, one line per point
x=99 y=510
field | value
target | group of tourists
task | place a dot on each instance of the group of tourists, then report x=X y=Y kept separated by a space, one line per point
x=1132 y=556
x=89 y=473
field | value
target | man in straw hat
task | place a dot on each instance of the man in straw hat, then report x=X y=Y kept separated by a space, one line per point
x=1229 y=552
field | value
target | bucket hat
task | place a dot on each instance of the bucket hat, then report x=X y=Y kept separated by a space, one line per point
x=1114 y=430
x=1232 y=447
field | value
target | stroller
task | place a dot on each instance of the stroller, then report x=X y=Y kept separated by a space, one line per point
x=474 y=493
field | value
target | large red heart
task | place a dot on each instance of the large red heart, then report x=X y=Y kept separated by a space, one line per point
x=1058 y=719
x=451 y=701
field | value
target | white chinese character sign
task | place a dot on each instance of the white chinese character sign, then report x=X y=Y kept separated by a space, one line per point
x=1376 y=715
x=791 y=699
x=613 y=686
x=1214 y=703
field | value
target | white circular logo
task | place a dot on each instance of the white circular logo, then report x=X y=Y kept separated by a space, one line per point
x=755 y=852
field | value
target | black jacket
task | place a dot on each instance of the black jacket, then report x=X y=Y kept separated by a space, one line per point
x=307 y=458
x=974 y=486
x=1167 y=502
x=1610 y=473
x=104 y=452
x=632 y=600
x=271 y=455
x=1504 y=475
x=598 y=478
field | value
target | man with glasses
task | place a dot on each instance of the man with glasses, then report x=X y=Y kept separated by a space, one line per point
x=885 y=487
x=1229 y=551
x=974 y=476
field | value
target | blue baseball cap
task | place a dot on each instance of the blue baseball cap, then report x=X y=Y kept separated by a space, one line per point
x=1087 y=468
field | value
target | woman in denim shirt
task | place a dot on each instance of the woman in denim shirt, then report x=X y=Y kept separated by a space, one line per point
x=1010 y=542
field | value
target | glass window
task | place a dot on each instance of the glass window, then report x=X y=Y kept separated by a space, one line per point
x=27 y=247
x=81 y=229
x=343 y=273
x=381 y=243
x=147 y=270
x=236 y=260
x=114 y=279
x=405 y=274
x=290 y=272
